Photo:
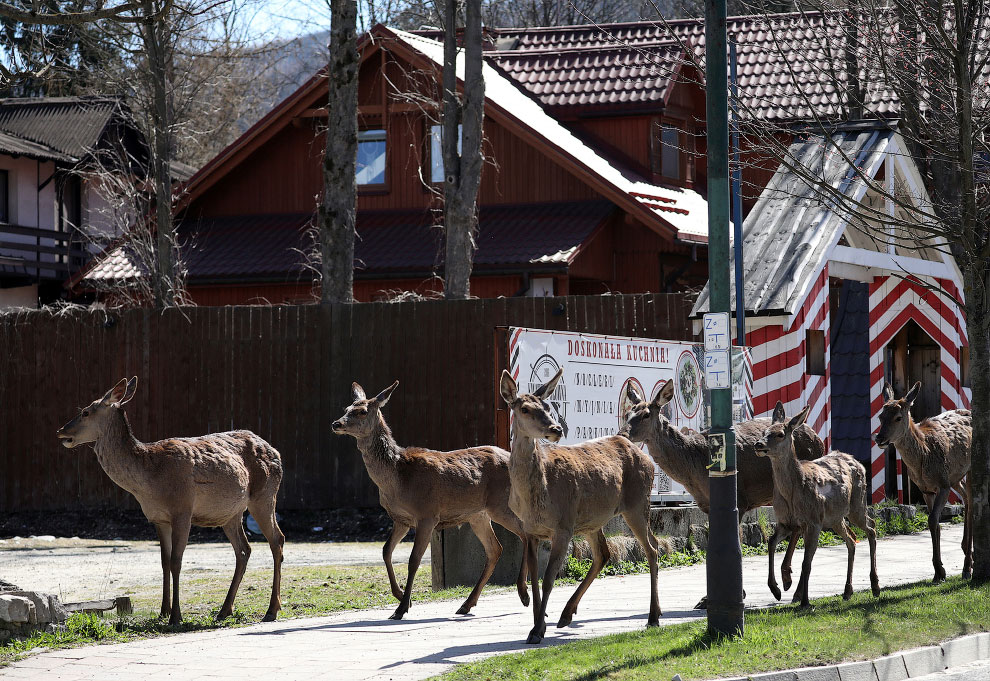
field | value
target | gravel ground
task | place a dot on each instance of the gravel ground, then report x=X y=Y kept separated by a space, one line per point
x=88 y=569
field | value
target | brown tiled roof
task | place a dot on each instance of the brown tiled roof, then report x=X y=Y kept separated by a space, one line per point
x=595 y=76
x=271 y=247
x=788 y=63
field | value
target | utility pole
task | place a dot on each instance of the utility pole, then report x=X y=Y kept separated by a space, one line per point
x=724 y=568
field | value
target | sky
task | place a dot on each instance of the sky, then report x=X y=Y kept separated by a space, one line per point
x=288 y=19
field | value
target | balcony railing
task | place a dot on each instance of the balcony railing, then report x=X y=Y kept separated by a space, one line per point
x=45 y=254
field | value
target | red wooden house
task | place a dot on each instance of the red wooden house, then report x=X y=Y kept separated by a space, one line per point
x=588 y=185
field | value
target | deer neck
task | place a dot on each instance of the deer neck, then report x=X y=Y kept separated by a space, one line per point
x=527 y=471
x=786 y=471
x=683 y=457
x=380 y=452
x=911 y=446
x=122 y=455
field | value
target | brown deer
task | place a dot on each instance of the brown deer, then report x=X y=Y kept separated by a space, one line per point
x=937 y=455
x=560 y=491
x=207 y=481
x=812 y=495
x=430 y=490
x=683 y=455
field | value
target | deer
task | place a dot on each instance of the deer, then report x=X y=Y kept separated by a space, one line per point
x=559 y=491
x=429 y=490
x=206 y=481
x=808 y=496
x=937 y=455
x=683 y=455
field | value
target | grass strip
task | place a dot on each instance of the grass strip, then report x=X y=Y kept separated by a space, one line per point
x=783 y=637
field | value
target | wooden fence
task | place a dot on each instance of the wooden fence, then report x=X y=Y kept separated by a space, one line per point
x=283 y=372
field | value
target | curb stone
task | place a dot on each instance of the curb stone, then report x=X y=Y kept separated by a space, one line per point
x=897 y=667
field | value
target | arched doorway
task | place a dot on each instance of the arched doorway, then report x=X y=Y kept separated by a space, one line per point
x=911 y=356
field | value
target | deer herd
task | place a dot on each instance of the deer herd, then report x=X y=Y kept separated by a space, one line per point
x=540 y=490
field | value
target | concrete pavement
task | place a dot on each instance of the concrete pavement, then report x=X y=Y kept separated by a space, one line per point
x=359 y=645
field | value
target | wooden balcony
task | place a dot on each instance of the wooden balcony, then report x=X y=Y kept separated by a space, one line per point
x=45 y=255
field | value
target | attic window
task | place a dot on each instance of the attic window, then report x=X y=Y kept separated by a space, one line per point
x=815 y=352
x=666 y=146
x=371 y=157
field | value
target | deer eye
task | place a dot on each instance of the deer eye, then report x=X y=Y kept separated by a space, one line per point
x=525 y=410
x=778 y=435
x=86 y=412
x=898 y=418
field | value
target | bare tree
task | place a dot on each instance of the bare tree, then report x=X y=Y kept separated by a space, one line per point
x=461 y=146
x=338 y=204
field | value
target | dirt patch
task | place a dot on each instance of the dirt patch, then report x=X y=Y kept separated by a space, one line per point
x=346 y=524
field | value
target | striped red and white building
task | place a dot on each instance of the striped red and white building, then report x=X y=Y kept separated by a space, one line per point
x=799 y=253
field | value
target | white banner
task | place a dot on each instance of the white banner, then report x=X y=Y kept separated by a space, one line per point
x=590 y=400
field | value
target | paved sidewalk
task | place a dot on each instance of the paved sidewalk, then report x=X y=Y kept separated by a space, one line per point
x=363 y=644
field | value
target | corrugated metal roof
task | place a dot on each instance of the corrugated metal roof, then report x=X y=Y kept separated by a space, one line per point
x=789 y=232
x=272 y=246
x=15 y=146
x=600 y=75
x=69 y=125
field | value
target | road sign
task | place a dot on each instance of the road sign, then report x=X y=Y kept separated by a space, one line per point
x=716 y=331
x=718 y=369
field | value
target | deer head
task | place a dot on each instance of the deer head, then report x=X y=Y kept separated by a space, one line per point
x=895 y=416
x=530 y=412
x=643 y=417
x=778 y=441
x=361 y=418
x=91 y=422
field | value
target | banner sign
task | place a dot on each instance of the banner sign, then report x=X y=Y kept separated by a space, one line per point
x=590 y=400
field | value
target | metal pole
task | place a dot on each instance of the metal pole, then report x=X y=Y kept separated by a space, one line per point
x=737 y=219
x=725 y=604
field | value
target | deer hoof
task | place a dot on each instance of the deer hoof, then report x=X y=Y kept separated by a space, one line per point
x=398 y=614
x=876 y=590
x=653 y=621
x=536 y=635
x=775 y=590
x=565 y=620
x=224 y=614
x=270 y=616
x=967 y=574
x=175 y=620
x=847 y=593
x=524 y=597
x=463 y=610
x=702 y=604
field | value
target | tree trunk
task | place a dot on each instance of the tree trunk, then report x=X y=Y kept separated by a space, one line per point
x=337 y=209
x=977 y=323
x=165 y=284
x=462 y=172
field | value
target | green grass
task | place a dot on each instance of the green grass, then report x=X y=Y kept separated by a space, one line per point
x=831 y=631
x=306 y=592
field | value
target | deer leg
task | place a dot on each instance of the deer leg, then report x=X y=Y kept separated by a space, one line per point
x=599 y=556
x=180 y=536
x=786 y=576
x=482 y=527
x=523 y=572
x=264 y=514
x=234 y=529
x=810 y=546
x=559 y=546
x=424 y=530
x=399 y=531
x=771 y=549
x=165 y=542
x=639 y=523
x=532 y=564
x=868 y=525
x=935 y=529
x=842 y=530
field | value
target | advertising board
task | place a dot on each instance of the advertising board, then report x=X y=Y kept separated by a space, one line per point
x=590 y=400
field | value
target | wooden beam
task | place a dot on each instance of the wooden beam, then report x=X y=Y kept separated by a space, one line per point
x=889 y=263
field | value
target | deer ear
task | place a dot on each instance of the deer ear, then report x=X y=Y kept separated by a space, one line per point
x=357 y=392
x=382 y=398
x=778 y=413
x=129 y=391
x=548 y=387
x=632 y=393
x=888 y=392
x=507 y=387
x=116 y=393
x=800 y=418
x=665 y=395
x=912 y=394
